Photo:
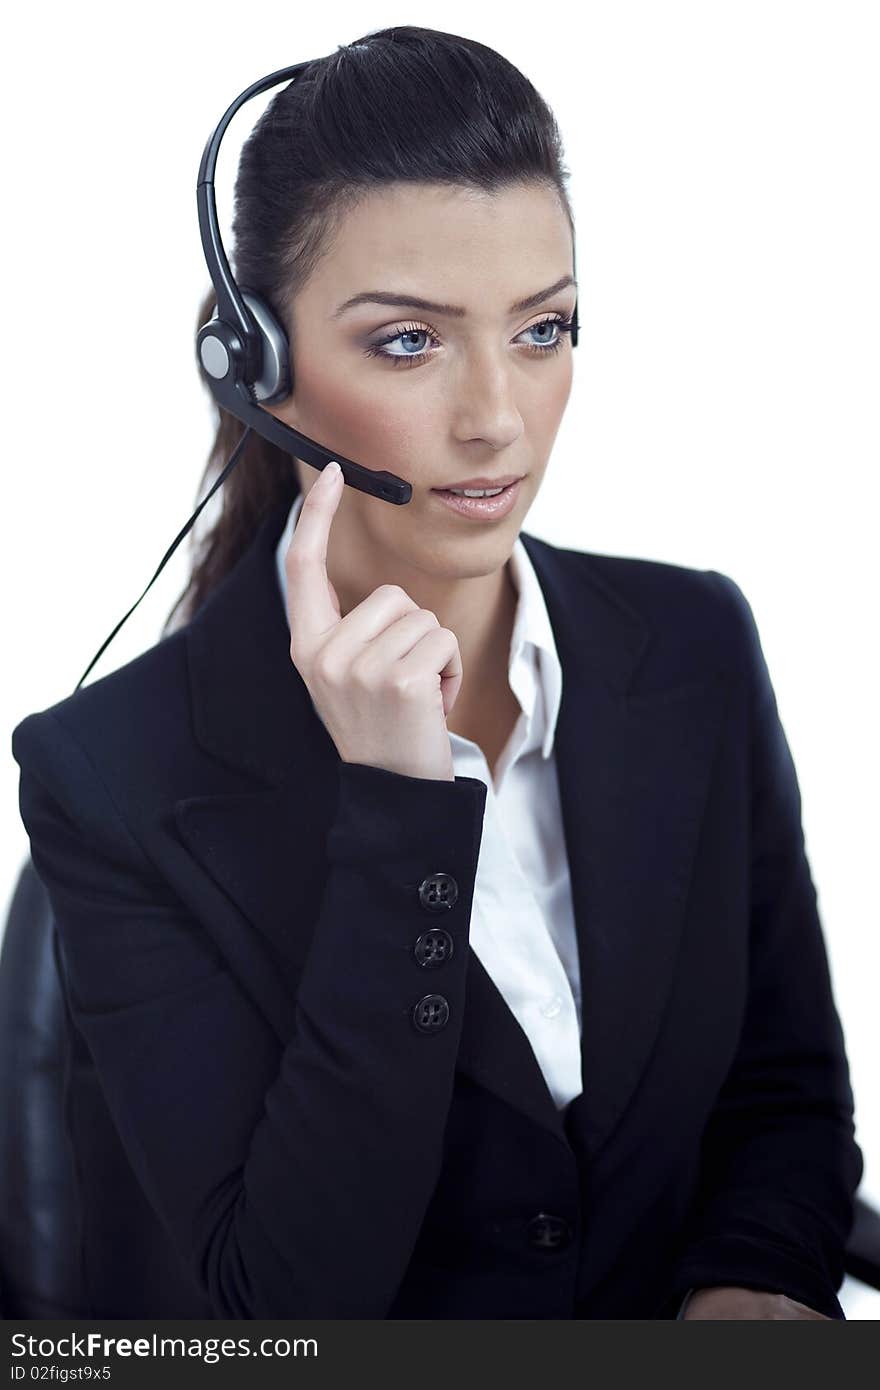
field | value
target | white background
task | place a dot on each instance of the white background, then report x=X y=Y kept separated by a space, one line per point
x=724 y=407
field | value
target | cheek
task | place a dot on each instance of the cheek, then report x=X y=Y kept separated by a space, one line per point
x=548 y=404
x=367 y=421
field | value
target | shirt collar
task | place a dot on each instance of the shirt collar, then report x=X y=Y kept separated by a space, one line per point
x=534 y=660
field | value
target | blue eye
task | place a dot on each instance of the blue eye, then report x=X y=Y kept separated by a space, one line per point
x=412 y=330
x=561 y=326
x=377 y=349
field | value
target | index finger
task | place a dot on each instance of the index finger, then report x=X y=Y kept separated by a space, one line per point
x=309 y=603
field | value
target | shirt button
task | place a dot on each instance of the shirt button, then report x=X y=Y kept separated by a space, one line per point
x=434 y=947
x=431 y=1013
x=438 y=892
x=551 y=1008
x=548 y=1232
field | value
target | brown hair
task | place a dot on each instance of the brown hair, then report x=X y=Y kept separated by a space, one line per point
x=400 y=104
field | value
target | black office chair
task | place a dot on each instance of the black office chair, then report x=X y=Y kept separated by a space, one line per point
x=40 y=1276
x=43 y=1057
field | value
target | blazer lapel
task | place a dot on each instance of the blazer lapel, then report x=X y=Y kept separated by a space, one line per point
x=633 y=778
x=634 y=773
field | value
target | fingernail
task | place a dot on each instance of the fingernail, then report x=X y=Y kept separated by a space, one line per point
x=333 y=468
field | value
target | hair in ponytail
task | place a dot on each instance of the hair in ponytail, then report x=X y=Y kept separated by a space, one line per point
x=400 y=104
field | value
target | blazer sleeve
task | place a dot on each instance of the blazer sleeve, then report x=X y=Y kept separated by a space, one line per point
x=292 y=1175
x=780 y=1165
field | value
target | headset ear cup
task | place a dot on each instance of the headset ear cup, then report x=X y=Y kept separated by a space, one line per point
x=275 y=381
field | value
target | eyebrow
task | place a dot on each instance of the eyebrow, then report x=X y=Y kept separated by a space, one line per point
x=403 y=301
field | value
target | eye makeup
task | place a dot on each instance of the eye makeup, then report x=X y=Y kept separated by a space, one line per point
x=378 y=348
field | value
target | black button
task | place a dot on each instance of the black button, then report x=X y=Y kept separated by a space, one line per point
x=549 y=1232
x=434 y=947
x=431 y=1013
x=438 y=892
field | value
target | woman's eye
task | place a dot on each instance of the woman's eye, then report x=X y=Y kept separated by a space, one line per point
x=412 y=347
x=414 y=352
x=548 y=325
x=560 y=326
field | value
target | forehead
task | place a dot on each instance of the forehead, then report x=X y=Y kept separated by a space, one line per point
x=451 y=242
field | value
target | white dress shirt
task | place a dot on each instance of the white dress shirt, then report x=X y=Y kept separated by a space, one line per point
x=522 y=919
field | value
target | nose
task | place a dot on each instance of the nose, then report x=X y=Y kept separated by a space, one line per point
x=485 y=404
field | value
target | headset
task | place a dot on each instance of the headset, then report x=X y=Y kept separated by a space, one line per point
x=245 y=355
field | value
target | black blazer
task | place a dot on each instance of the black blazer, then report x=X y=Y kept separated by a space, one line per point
x=326 y=1123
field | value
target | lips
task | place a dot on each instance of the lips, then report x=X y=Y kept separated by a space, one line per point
x=481 y=483
x=480 y=508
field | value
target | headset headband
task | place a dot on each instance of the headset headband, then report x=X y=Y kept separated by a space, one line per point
x=230 y=304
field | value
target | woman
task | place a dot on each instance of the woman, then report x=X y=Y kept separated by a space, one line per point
x=432 y=902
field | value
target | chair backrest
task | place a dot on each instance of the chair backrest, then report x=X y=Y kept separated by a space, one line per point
x=38 y=1239
x=78 y=1238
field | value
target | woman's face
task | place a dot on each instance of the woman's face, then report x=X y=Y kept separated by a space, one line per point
x=435 y=396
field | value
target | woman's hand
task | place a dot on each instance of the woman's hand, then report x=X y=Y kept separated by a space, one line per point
x=385 y=677
x=728 y=1301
